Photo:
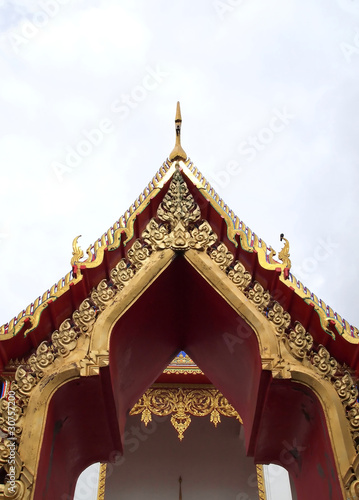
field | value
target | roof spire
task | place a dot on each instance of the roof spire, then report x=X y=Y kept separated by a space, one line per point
x=178 y=153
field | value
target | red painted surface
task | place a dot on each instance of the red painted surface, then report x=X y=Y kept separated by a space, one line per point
x=81 y=429
x=284 y=422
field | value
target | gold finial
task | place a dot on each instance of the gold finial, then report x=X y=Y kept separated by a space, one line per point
x=180 y=487
x=77 y=253
x=284 y=253
x=178 y=153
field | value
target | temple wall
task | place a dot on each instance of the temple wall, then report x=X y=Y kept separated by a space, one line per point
x=211 y=461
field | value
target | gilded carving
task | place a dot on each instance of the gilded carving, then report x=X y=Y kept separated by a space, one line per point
x=202 y=236
x=259 y=297
x=85 y=317
x=43 y=357
x=77 y=253
x=178 y=204
x=221 y=256
x=64 y=339
x=324 y=364
x=241 y=278
x=180 y=403
x=279 y=317
x=284 y=253
x=346 y=389
x=121 y=274
x=103 y=295
x=156 y=236
x=138 y=254
x=299 y=341
x=24 y=384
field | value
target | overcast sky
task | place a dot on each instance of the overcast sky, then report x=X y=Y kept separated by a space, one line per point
x=269 y=98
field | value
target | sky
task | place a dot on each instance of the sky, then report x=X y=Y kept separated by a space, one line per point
x=270 y=109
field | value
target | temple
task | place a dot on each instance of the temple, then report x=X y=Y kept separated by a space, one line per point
x=182 y=356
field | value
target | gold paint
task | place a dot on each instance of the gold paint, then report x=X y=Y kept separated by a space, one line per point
x=178 y=153
x=284 y=253
x=181 y=403
x=102 y=482
x=77 y=253
x=260 y=481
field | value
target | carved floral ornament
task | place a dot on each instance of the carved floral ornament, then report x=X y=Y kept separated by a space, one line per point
x=178 y=226
x=181 y=403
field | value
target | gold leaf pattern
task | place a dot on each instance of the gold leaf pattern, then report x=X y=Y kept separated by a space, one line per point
x=241 y=278
x=299 y=341
x=121 y=274
x=64 y=339
x=138 y=254
x=181 y=403
x=279 y=317
x=222 y=256
x=103 y=295
x=85 y=317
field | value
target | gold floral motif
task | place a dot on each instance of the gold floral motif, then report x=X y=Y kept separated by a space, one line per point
x=103 y=295
x=64 y=339
x=121 y=274
x=221 y=256
x=324 y=364
x=138 y=254
x=85 y=317
x=279 y=317
x=24 y=384
x=202 y=236
x=4 y=417
x=241 y=278
x=299 y=341
x=157 y=236
x=178 y=204
x=259 y=297
x=43 y=357
x=181 y=403
x=346 y=389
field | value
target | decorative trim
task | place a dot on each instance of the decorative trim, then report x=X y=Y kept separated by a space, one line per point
x=183 y=364
x=181 y=403
x=102 y=482
x=261 y=483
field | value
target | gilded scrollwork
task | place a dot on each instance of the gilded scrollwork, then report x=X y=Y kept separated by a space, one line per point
x=202 y=237
x=299 y=341
x=221 y=256
x=64 y=339
x=85 y=317
x=279 y=317
x=346 y=389
x=259 y=297
x=324 y=363
x=157 y=235
x=43 y=357
x=137 y=254
x=178 y=205
x=121 y=274
x=242 y=278
x=180 y=403
x=103 y=295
